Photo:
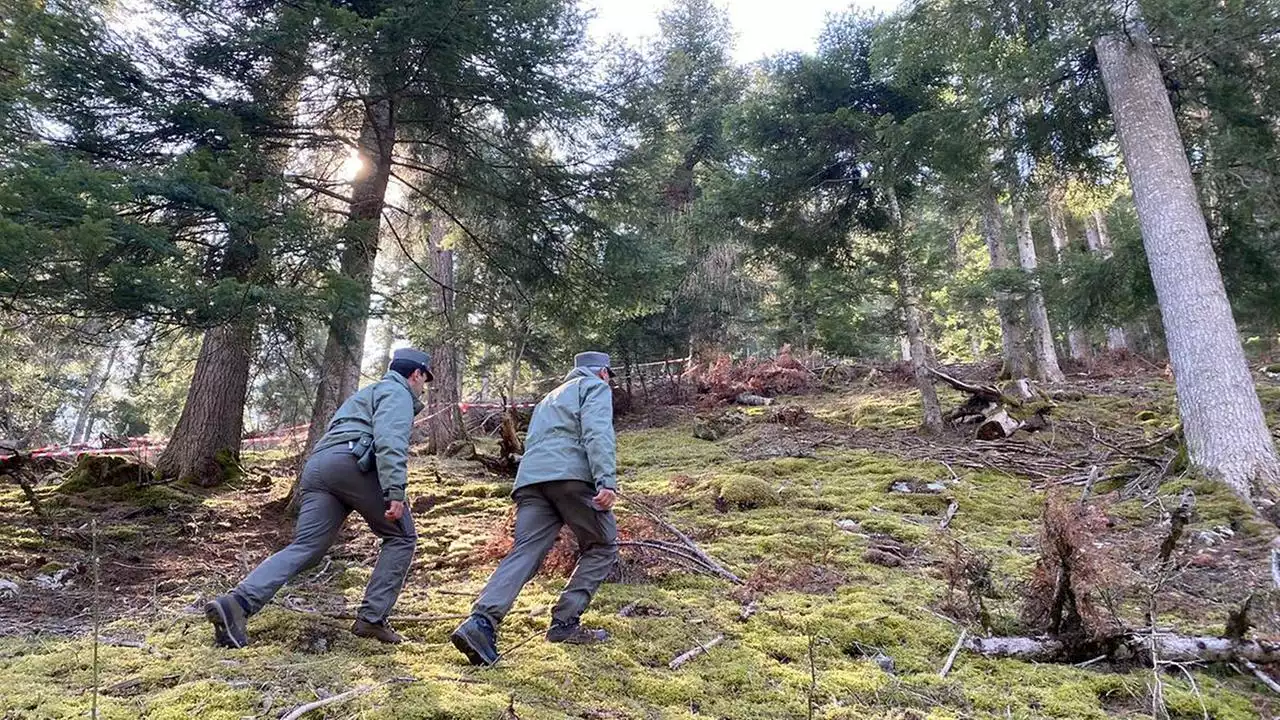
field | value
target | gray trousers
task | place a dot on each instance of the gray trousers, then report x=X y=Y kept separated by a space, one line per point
x=332 y=486
x=541 y=510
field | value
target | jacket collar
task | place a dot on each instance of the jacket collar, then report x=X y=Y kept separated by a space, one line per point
x=581 y=372
x=400 y=380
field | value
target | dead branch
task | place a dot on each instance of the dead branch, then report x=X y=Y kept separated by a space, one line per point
x=688 y=545
x=341 y=697
x=695 y=652
x=984 y=392
x=946 y=667
x=1262 y=676
x=1181 y=516
x=399 y=619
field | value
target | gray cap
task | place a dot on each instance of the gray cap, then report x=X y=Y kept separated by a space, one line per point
x=416 y=357
x=592 y=359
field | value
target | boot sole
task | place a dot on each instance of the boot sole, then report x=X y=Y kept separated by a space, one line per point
x=217 y=617
x=464 y=646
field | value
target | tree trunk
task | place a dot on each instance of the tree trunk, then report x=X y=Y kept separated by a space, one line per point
x=909 y=296
x=1045 y=357
x=97 y=378
x=205 y=447
x=344 y=348
x=1099 y=242
x=1011 y=339
x=1222 y=419
x=1077 y=342
x=445 y=425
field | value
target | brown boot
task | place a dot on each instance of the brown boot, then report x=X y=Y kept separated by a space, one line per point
x=381 y=632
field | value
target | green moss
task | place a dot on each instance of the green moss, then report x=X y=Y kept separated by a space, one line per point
x=744 y=492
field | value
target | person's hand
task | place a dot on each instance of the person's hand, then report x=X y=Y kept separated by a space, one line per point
x=395 y=510
x=605 y=499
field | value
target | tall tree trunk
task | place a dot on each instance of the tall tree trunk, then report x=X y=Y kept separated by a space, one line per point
x=205 y=446
x=1099 y=242
x=1225 y=430
x=1045 y=357
x=445 y=425
x=909 y=296
x=344 y=348
x=1077 y=341
x=97 y=378
x=1011 y=336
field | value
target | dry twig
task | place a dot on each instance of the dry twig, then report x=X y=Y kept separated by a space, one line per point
x=695 y=652
x=946 y=667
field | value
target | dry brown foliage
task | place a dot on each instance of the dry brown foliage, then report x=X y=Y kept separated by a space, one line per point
x=723 y=379
x=564 y=554
x=1078 y=568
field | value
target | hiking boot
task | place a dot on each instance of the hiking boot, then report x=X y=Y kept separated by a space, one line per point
x=228 y=620
x=381 y=632
x=475 y=639
x=575 y=634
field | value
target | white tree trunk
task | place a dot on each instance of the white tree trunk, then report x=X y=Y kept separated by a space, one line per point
x=1222 y=419
x=904 y=345
x=1099 y=241
x=909 y=296
x=1011 y=336
x=97 y=378
x=1042 y=350
x=1077 y=342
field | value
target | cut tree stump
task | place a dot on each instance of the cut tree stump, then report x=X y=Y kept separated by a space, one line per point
x=998 y=426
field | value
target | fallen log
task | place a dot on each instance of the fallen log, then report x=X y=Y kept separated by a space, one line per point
x=752 y=399
x=1170 y=647
x=998 y=426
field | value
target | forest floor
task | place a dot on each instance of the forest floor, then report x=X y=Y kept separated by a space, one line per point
x=854 y=596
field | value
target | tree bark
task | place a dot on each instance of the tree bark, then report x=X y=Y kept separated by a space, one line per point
x=97 y=378
x=1011 y=336
x=1045 y=357
x=1077 y=342
x=1099 y=242
x=445 y=425
x=909 y=296
x=205 y=446
x=344 y=348
x=1222 y=419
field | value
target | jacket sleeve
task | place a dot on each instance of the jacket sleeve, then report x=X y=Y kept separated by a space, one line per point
x=392 y=423
x=597 y=434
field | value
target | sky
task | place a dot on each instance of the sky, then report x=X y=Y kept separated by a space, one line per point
x=764 y=27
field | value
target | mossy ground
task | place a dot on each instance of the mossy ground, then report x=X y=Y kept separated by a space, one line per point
x=799 y=528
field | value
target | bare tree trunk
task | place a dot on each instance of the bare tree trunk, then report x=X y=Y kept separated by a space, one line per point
x=517 y=356
x=445 y=426
x=97 y=378
x=205 y=446
x=344 y=348
x=909 y=296
x=1045 y=357
x=1077 y=342
x=1099 y=242
x=1011 y=336
x=1222 y=418
x=904 y=343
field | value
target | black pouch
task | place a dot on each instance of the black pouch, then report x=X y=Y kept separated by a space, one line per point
x=362 y=449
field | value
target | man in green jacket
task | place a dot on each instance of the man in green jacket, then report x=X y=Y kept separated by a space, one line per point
x=359 y=464
x=568 y=476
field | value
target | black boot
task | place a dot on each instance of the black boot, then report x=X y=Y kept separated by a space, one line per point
x=228 y=619
x=381 y=632
x=475 y=639
x=575 y=634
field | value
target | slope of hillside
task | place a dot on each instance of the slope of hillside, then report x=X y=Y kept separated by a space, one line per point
x=854 y=596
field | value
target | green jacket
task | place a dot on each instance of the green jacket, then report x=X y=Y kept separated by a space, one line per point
x=571 y=435
x=383 y=411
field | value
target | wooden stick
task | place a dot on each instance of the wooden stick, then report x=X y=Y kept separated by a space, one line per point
x=946 y=667
x=402 y=619
x=685 y=540
x=340 y=697
x=695 y=652
x=1265 y=678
